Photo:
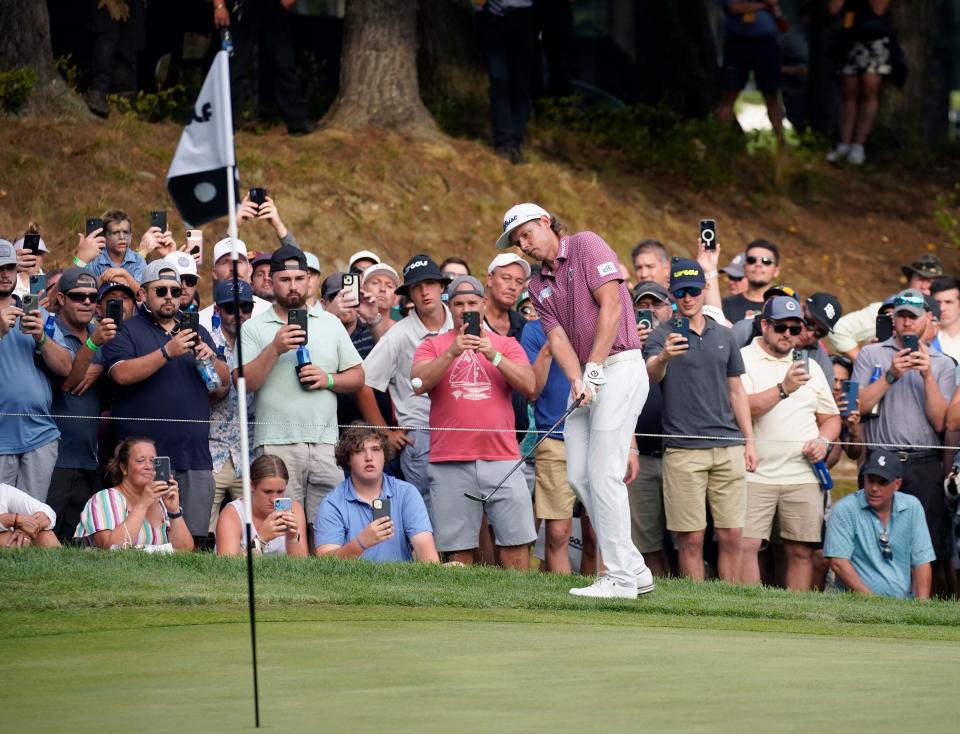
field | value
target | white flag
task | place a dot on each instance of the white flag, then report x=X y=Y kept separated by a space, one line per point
x=197 y=179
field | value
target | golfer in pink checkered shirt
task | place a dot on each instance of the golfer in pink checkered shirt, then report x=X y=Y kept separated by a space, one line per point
x=586 y=311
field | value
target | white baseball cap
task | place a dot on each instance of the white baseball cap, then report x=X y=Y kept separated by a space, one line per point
x=509 y=258
x=380 y=269
x=223 y=247
x=520 y=214
x=18 y=245
x=184 y=263
x=363 y=255
x=313 y=262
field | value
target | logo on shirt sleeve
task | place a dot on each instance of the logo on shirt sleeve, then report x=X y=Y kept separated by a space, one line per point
x=608 y=268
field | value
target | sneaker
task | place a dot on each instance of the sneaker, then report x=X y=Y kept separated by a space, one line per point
x=838 y=153
x=645 y=582
x=606 y=588
x=97 y=103
x=856 y=155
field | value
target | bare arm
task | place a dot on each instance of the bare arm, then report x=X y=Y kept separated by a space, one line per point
x=848 y=575
x=608 y=297
x=830 y=425
x=431 y=371
x=741 y=412
x=541 y=369
x=519 y=375
x=424 y=549
x=922 y=580
x=833 y=7
x=934 y=404
x=229 y=529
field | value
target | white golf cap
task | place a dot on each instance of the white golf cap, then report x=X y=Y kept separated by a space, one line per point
x=313 y=262
x=184 y=263
x=509 y=258
x=380 y=269
x=520 y=214
x=223 y=247
x=18 y=245
x=363 y=255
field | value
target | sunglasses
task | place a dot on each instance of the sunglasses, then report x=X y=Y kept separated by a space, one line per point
x=784 y=328
x=228 y=308
x=162 y=291
x=528 y=310
x=819 y=331
x=885 y=547
x=753 y=260
x=688 y=291
x=189 y=280
x=908 y=301
x=82 y=297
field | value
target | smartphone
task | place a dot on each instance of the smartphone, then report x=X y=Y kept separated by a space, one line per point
x=681 y=326
x=93 y=224
x=283 y=504
x=161 y=469
x=851 y=391
x=351 y=282
x=31 y=302
x=258 y=195
x=115 y=311
x=884 y=327
x=159 y=219
x=190 y=320
x=31 y=242
x=708 y=233
x=472 y=320
x=298 y=316
x=800 y=355
x=381 y=508
x=911 y=342
x=38 y=283
x=645 y=318
x=195 y=242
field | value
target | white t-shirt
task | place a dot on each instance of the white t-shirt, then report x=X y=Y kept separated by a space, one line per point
x=782 y=430
x=13 y=500
x=950 y=345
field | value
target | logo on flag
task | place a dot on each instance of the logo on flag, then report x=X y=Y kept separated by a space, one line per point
x=197 y=179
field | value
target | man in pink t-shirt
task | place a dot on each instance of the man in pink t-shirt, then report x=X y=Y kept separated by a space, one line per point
x=470 y=380
x=587 y=313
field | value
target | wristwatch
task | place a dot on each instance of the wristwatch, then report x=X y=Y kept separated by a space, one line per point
x=890 y=377
x=783 y=393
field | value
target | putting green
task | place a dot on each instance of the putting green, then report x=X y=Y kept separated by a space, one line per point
x=456 y=676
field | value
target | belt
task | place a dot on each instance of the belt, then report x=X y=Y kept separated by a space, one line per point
x=919 y=455
x=654 y=454
x=629 y=355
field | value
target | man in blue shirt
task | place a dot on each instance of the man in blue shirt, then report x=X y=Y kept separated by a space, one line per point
x=344 y=525
x=154 y=365
x=29 y=439
x=877 y=538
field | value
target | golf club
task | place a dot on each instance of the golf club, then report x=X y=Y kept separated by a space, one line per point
x=573 y=406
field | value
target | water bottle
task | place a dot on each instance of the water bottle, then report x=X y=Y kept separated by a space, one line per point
x=226 y=41
x=209 y=374
x=50 y=326
x=876 y=375
x=303 y=360
x=823 y=474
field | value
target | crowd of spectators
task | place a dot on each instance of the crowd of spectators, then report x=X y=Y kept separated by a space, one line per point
x=378 y=399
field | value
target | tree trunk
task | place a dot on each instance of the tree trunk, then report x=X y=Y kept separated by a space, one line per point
x=25 y=43
x=450 y=64
x=378 y=78
x=916 y=116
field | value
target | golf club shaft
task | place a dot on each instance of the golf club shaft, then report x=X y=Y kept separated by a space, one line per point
x=573 y=406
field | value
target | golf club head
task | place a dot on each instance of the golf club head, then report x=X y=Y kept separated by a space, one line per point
x=475 y=498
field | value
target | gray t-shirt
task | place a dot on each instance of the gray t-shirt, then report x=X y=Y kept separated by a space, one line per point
x=696 y=394
x=902 y=420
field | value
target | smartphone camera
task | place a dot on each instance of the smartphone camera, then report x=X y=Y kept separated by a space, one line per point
x=258 y=196
x=708 y=234
x=472 y=320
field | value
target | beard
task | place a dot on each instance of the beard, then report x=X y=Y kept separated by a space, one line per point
x=291 y=300
x=6 y=292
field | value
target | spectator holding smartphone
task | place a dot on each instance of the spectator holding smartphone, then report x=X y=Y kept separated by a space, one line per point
x=347 y=525
x=138 y=511
x=109 y=247
x=275 y=531
x=153 y=365
x=30 y=261
x=223 y=272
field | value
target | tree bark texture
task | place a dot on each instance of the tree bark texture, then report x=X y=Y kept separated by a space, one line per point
x=449 y=61
x=25 y=42
x=378 y=77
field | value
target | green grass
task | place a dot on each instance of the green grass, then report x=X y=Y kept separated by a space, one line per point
x=356 y=646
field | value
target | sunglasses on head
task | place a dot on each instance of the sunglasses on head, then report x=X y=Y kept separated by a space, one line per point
x=885 y=547
x=82 y=297
x=794 y=329
x=189 y=280
x=753 y=260
x=688 y=291
x=228 y=308
x=162 y=290
x=908 y=301
x=735 y=278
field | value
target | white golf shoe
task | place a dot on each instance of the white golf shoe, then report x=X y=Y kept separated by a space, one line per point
x=606 y=588
x=645 y=582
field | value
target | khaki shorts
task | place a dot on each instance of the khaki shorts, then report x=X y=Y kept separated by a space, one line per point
x=647 y=521
x=313 y=472
x=553 y=498
x=693 y=477
x=226 y=482
x=798 y=508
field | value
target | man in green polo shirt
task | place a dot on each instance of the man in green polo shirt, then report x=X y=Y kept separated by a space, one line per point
x=297 y=415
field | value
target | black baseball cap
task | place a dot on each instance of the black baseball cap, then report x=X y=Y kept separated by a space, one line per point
x=332 y=285
x=650 y=288
x=884 y=464
x=288 y=258
x=825 y=309
x=418 y=269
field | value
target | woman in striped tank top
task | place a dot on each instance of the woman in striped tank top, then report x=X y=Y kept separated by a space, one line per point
x=138 y=512
x=277 y=529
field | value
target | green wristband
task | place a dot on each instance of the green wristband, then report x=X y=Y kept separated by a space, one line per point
x=329 y=382
x=78 y=262
x=92 y=346
x=42 y=341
